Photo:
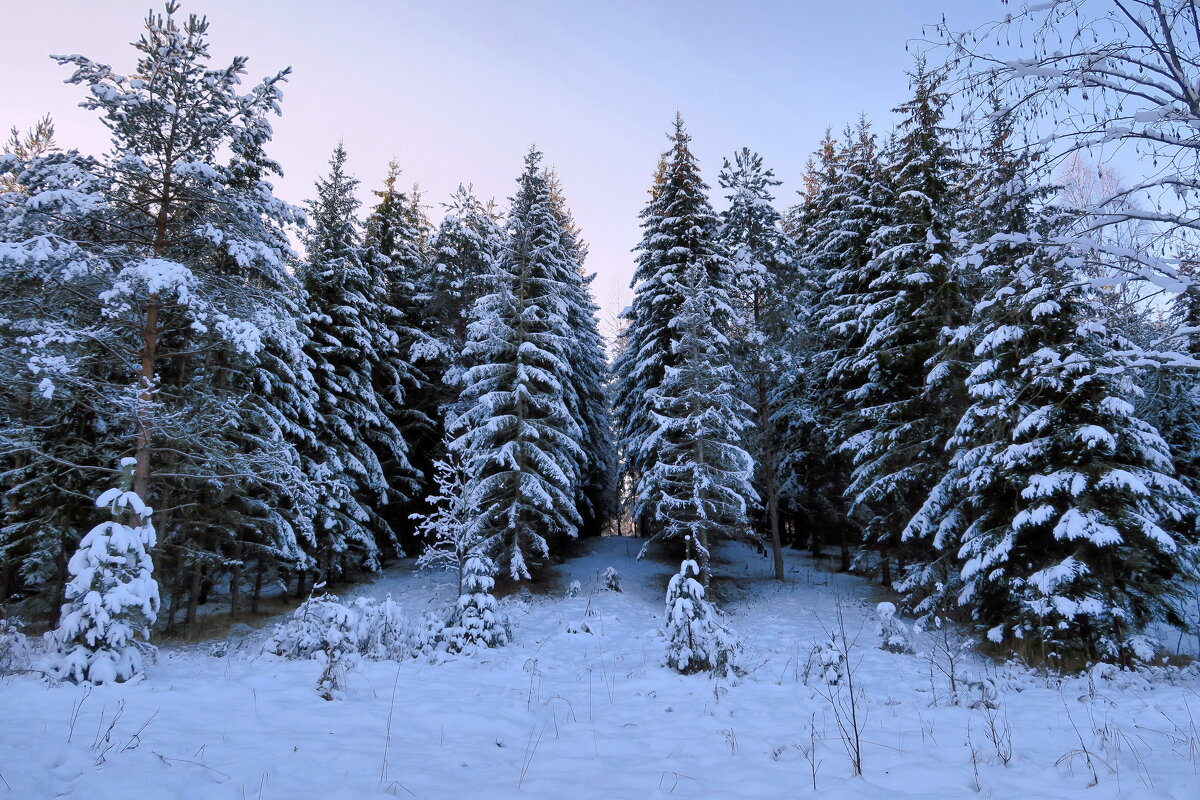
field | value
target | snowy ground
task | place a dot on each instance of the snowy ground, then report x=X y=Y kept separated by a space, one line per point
x=581 y=707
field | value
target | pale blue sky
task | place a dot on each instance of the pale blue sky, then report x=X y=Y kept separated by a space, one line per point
x=457 y=90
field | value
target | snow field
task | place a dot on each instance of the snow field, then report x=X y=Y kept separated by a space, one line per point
x=580 y=706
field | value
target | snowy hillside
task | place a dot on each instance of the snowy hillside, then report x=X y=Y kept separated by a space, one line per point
x=581 y=706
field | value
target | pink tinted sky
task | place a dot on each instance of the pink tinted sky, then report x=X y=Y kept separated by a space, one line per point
x=457 y=90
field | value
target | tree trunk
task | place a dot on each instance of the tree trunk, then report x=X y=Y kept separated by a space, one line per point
x=176 y=590
x=235 y=580
x=207 y=578
x=258 y=584
x=844 y=546
x=769 y=477
x=146 y=376
x=189 y=624
x=150 y=333
x=814 y=538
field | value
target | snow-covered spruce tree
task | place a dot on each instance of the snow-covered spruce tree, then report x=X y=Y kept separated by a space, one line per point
x=396 y=237
x=998 y=224
x=697 y=639
x=463 y=252
x=400 y=235
x=176 y=235
x=449 y=535
x=679 y=230
x=454 y=543
x=752 y=233
x=353 y=349
x=49 y=409
x=847 y=205
x=465 y=248
x=812 y=474
x=280 y=503
x=516 y=435
x=596 y=493
x=112 y=598
x=903 y=384
x=1058 y=512
x=1173 y=399
x=477 y=620
x=700 y=482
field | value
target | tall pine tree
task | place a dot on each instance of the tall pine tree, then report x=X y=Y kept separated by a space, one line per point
x=904 y=391
x=516 y=436
x=1058 y=519
x=680 y=229
x=752 y=233
x=352 y=346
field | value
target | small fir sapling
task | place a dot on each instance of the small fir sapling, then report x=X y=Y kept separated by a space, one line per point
x=574 y=589
x=340 y=652
x=112 y=597
x=374 y=630
x=14 y=649
x=451 y=539
x=324 y=629
x=697 y=641
x=477 y=621
x=827 y=661
x=384 y=632
x=893 y=634
x=611 y=579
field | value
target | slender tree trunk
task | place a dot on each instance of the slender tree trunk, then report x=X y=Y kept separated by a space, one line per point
x=207 y=578
x=189 y=624
x=176 y=591
x=150 y=333
x=768 y=472
x=146 y=376
x=768 y=465
x=235 y=580
x=258 y=584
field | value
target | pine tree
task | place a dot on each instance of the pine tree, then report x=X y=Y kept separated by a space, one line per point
x=517 y=435
x=752 y=233
x=812 y=475
x=679 y=230
x=169 y=254
x=903 y=385
x=699 y=486
x=1058 y=518
x=350 y=338
x=596 y=495
x=465 y=248
x=112 y=599
x=701 y=476
x=396 y=238
x=477 y=620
